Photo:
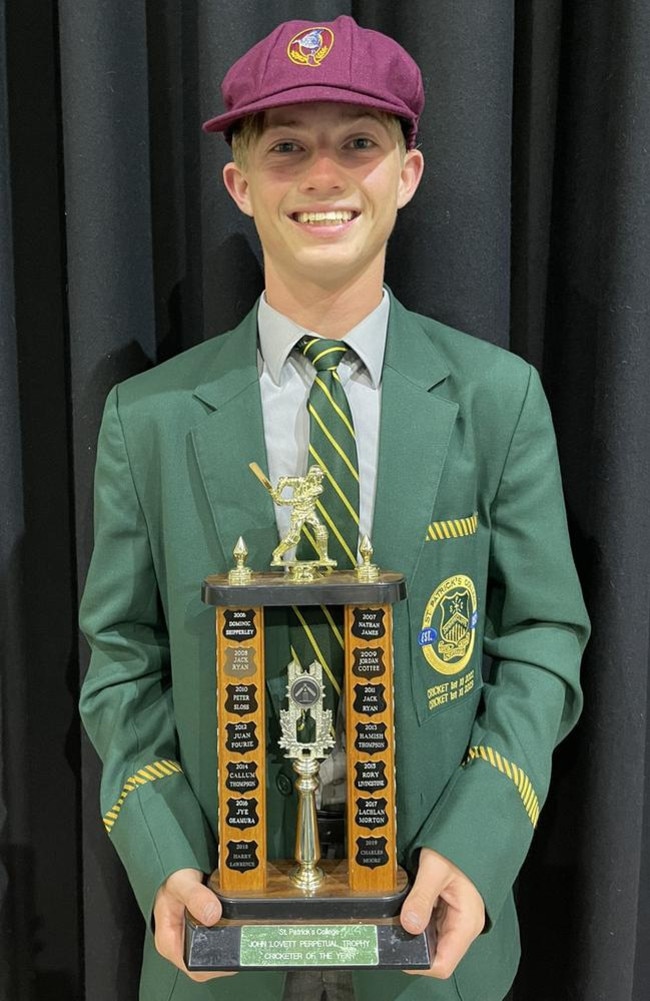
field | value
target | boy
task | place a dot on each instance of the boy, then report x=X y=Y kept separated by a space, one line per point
x=457 y=484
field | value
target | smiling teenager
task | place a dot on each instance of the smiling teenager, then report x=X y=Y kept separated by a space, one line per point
x=458 y=486
x=323 y=183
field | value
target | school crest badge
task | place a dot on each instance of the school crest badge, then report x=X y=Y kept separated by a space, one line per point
x=449 y=625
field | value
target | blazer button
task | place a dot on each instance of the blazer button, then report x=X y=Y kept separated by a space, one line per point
x=284 y=784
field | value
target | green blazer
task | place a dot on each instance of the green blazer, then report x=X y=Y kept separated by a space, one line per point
x=469 y=507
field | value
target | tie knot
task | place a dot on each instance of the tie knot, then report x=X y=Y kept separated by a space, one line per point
x=323 y=354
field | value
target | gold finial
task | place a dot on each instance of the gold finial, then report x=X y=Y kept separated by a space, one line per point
x=240 y=574
x=367 y=571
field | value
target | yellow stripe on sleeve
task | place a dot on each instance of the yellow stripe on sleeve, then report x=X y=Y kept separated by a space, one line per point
x=149 y=773
x=518 y=777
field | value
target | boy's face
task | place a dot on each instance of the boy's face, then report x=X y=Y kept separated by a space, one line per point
x=323 y=183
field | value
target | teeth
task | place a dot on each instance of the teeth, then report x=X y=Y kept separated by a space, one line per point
x=311 y=217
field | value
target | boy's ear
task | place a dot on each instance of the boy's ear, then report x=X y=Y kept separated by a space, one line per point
x=410 y=177
x=237 y=187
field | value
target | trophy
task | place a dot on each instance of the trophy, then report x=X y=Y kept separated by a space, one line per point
x=305 y=911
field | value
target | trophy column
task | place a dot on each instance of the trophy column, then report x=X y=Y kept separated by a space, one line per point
x=241 y=735
x=370 y=742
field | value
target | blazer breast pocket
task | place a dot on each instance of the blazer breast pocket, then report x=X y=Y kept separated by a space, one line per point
x=446 y=629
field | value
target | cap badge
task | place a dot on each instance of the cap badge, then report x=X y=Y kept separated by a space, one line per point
x=309 y=48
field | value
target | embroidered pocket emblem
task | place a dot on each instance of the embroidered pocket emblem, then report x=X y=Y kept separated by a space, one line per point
x=449 y=625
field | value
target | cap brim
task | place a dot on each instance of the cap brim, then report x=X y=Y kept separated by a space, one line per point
x=308 y=95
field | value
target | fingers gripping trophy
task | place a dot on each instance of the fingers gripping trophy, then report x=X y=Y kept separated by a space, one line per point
x=346 y=910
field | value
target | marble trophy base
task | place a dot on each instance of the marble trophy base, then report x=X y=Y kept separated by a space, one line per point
x=332 y=927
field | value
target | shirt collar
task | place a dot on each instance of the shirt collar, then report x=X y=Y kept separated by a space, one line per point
x=278 y=335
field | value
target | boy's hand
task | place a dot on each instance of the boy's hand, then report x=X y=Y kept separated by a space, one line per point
x=444 y=899
x=183 y=889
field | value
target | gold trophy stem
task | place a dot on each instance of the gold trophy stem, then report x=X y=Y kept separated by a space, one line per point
x=307 y=875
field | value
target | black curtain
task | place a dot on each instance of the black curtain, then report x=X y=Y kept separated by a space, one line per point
x=119 y=248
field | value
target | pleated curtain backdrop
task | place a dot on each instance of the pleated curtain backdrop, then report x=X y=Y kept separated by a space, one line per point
x=119 y=248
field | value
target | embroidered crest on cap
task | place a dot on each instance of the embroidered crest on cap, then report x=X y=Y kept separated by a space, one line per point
x=309 y=48
x=449 y=625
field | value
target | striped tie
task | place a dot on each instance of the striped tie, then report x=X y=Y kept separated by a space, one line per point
x=317 y=631
x=332 y=446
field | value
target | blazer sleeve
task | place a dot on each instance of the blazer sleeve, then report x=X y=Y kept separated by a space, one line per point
x=535 y=630
x=149 y=810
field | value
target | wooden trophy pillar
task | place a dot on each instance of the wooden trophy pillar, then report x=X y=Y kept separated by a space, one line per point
x=370 y=742
x=241 y=735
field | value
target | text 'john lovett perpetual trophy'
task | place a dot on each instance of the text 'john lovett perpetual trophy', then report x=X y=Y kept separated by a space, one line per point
x=305 y=911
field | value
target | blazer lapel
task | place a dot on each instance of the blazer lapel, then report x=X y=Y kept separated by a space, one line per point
x=415 y=429
x=227 y=439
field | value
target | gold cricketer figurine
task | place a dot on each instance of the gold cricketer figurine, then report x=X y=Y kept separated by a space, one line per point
x=305 y=491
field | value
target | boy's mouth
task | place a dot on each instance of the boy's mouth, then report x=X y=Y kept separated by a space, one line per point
x=331 y=218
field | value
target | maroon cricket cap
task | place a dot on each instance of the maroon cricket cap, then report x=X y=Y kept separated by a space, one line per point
x=305 y=61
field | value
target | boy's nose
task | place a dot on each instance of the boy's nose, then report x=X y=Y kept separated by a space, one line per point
x=323 y=174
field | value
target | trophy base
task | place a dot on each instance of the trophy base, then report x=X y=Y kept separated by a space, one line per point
x=333 y=927
x=342 y=945
x=333 y=898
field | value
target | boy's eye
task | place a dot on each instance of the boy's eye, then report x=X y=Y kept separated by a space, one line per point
x=361 y=142
x=286 y=146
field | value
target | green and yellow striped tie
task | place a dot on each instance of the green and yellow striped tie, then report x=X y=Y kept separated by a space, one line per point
x=333 y=446
x=317 y=632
